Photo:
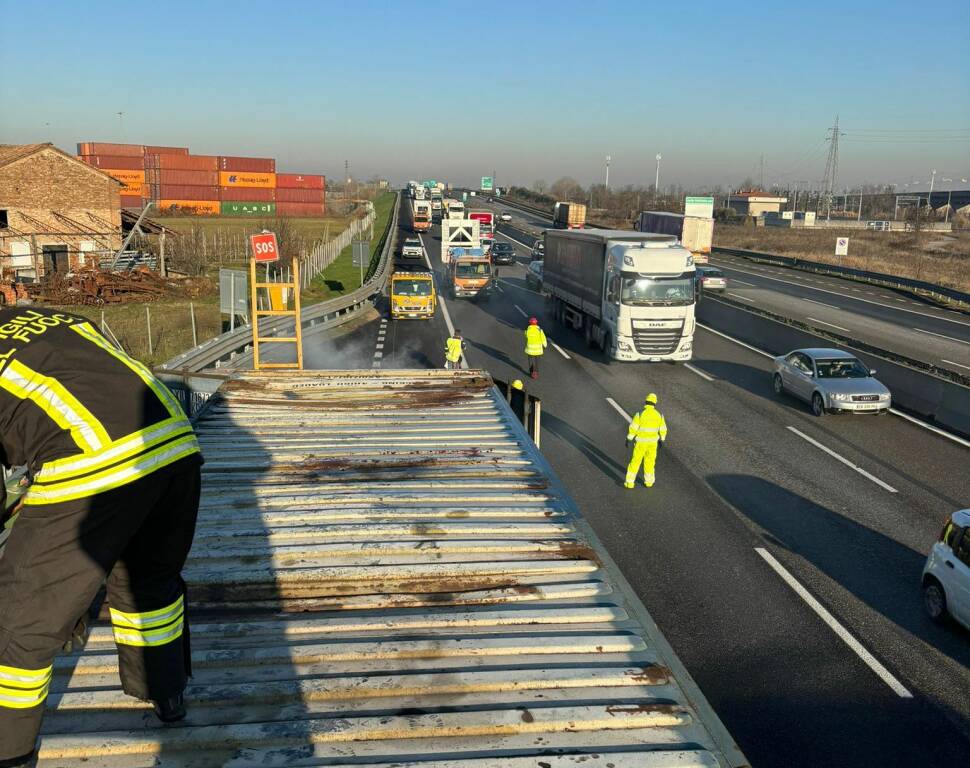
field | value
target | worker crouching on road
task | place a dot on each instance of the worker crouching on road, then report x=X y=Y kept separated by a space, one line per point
x=454 y=350
x=647 y=429
x=115 y=477
x=535 y=345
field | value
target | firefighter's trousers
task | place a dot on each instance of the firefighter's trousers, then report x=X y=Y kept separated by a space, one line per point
x=647 y=454
x=55 y=561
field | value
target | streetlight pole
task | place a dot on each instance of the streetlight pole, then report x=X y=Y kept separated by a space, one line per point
x=607 y=184
x=929 y=197
x=859 y=217
x=656 y=183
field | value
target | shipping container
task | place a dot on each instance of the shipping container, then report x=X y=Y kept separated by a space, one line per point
x=166 y=150
x=183 y=162
x=132 y=201
x=299 y=195
x=199 y=207
x=126 y=177
x=184 y=192
x=569 y=216
x=247 y=179
x=102 y=148
x=242 y=208
x=121 y=162
x=249 y=164
x=199 y=178
x=248 y=194
x=300 y=209
x=299 y=181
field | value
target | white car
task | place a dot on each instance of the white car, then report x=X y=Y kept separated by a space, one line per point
x=412 y=248
x=946 y=575
x=505 y=216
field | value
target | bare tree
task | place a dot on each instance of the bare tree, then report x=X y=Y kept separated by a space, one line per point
x=539 y=185
x=567 y=188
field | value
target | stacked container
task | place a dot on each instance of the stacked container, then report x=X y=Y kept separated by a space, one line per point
x=300 y=195
x=183 y=181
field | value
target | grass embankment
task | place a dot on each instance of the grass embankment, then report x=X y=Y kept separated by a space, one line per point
x=942 y=258
x=342 y=276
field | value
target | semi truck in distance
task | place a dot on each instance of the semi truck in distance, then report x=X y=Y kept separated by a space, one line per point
x=486 y=227
x=454 y=209
x=436 y=206
x=569 y=216
x=421 y=215
x=632 y=294
x=696 y=233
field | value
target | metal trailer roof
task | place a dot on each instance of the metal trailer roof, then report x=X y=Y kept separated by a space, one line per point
x=386 y=572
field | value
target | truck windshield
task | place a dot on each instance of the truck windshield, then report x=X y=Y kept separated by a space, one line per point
x=481 y=269
x=412 y=288
x=650 y=291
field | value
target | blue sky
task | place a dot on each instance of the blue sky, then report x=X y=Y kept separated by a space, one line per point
x=529 y=90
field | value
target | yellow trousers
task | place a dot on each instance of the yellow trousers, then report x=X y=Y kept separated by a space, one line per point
x=645 y=453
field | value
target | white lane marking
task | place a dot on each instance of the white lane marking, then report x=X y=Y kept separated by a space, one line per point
x=514 y=240
x=560 y=350
x=821 y=303
x=841 y=458
x=443 y=304
x=618 y=409
x=841 y=632
x=378 y=355
x=854 y=298
x=699 y=372
x=942 y=336
x=736 y=341
x=833 y=325
x=380 y=345
x=742 y=282
x=521 y=311
x=739 y=296
x=930 y=427
x=961 y=365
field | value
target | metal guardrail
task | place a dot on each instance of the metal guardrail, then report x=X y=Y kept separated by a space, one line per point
x=921 y=287
x=225 y=350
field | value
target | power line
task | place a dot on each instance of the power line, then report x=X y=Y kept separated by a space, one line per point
x=831 y=167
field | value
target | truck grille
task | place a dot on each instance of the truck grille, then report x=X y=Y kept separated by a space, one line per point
x=864 y=398
x=657 y=337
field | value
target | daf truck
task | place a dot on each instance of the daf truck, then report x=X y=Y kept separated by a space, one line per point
x=632 y=294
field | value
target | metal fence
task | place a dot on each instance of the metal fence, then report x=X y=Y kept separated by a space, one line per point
x=324 y=254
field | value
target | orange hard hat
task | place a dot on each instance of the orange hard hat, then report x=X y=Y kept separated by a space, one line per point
x=533 y=321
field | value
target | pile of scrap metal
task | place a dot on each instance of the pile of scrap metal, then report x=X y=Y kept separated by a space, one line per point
x=95 y=286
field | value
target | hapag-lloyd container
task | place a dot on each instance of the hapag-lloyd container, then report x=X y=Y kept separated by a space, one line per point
x=185 y=192
x=299 y=181
x=198 y=207
x=183 y=162
x=247 y=194
x=247 y=179
x=299 y=195
x=199 y=178
x=126 y=176
x=119 y=162
x=248 y=164
x=241 y=208
x=300 y=209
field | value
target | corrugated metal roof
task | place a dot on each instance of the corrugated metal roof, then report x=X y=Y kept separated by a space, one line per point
x=386 y=572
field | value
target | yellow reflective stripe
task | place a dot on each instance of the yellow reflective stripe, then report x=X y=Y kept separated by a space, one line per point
x=53 y=399
x=123 y=448
x=18 y=677
x=23 y=688
x=151 y=637
x=148 y=619
x=16 y=699
x=114 y=477
x=85 y=330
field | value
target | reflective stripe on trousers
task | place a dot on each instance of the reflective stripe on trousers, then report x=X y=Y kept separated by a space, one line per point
x=150 y=628
x=23 y=688
x=645 y=453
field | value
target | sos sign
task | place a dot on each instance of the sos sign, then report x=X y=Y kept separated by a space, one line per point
x=264 y=247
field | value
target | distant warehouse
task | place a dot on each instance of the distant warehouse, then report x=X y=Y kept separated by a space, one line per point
x=56 y=213
x=753 y=203
x=208 y=185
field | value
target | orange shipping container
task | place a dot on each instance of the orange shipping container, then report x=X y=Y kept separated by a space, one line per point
x=103 y=148
x=247 y=179
x=125 y=176
x=200 y=207
x=183 y=162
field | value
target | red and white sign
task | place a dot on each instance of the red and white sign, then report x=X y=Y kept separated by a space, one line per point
x=265 y=247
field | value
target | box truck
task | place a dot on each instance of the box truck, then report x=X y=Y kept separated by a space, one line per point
x=569 y=216
x=631 y=293
x=420 y=215
x=695 y=233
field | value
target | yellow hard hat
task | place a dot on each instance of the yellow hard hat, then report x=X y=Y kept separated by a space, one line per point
x=517 y=384
x=652 y=398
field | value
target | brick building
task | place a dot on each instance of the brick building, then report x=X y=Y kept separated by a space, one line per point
x=56 y=213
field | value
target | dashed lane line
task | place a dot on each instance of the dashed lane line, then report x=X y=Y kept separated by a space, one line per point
x=823 y=322
x=618 y=409
x=699 y=372
x=841 y=458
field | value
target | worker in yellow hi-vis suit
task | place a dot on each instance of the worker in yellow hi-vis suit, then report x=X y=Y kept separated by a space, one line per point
x=648 y=429
x=535 y=345
x=454 y=350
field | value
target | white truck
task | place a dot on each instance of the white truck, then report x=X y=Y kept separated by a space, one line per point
x=696 y=233
x=454 y=209
x=631 y=293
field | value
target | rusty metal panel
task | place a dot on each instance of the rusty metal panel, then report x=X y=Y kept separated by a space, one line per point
x=386 y=572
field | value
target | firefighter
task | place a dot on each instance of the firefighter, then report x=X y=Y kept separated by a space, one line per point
x=454 y=349
x=114 y=470
x=535 y=344
x=648 y=429
x=518 y=400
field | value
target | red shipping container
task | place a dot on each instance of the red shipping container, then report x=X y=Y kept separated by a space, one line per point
x=299 y=195
x=192 y=178
x=183 y=162
x=116 y=162
x=247 y=195
x=101 y=148
x=300 y=209
x=250 y=164
x=185 y=192
x=299 y=181
x=166 y=150
x=131 y=201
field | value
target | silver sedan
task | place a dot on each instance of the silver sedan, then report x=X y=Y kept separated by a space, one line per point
x=830 y=380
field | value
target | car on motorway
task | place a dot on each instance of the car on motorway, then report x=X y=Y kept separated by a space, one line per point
x=505 y=216
x=539 y=250
x=711 y=278
x=946 y=575
x=502 y=253
x=533 y=275
x=412 y=248
x=830 y=380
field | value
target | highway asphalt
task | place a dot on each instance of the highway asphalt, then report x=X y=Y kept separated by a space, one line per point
x=779 y=553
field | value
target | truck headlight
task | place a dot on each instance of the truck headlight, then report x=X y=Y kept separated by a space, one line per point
x=628 y=260
x=624 y=345
x=840 y=396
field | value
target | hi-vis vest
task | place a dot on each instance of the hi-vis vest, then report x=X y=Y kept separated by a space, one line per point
x=648 y=426
x=535 y=340
x=453 y=350
x=81 y=414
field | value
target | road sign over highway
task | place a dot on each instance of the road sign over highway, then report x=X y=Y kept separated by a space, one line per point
x=486 y=183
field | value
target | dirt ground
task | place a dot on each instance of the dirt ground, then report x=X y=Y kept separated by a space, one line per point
x=937 y=257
